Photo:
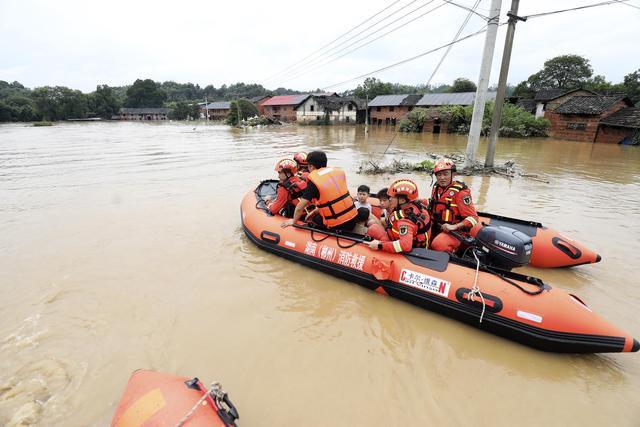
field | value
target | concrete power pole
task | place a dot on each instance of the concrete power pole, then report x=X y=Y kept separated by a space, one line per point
x=483 y=83
x=502 y=83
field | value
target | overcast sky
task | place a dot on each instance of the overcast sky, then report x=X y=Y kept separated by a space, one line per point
x=80 y=44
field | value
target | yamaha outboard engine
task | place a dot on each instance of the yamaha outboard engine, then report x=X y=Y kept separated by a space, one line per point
x=503 y=247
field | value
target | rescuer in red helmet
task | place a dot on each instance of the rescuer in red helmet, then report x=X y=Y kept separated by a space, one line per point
x=450 y=208
x=289 y=190
x=407 y=225
x=303 y=165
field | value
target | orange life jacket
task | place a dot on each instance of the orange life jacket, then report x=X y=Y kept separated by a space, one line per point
x=415 y=213
x=295 y=186
x=335 y=204
x=443 y=209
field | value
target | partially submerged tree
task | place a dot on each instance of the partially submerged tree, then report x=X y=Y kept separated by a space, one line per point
x=247 y=109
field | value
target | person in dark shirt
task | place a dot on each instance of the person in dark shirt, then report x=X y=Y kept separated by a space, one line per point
x=327 y=189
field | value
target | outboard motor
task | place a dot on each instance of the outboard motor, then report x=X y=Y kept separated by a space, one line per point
x=503 y=247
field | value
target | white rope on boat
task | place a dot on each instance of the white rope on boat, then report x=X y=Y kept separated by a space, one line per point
x=215 y=390
x=476 y=290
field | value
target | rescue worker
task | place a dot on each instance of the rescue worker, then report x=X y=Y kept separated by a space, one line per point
x=327 y=190
x=450 y=207
x=407 y=226
x=289 y=189
x=303 y=166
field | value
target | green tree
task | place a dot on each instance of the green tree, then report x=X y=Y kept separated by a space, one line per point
x=183 y=110
x=247 y=109
x=103 y=102
x=463 y=85
x=562 y=72
x=373 y=87
x=59 y=103
x=145 y=93
x=631 y=85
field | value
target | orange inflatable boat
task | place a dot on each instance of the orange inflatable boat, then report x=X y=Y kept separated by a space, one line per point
x=508 y=304
x=153 y=399
x=550 y=247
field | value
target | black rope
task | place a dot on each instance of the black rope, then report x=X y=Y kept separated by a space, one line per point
x=314 y=239
x=348 y=246
x=539 y=283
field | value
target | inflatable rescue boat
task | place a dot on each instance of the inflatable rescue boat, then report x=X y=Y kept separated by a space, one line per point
x=550 y=248
x=480 y=292
x=156 y=399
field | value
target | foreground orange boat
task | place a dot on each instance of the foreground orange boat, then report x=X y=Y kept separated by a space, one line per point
x=518 y=307
x=551 y=249
x=154 y=399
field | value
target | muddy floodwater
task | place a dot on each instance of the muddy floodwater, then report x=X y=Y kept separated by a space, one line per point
x=121 y=248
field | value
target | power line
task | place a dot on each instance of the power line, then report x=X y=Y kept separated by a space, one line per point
x=291 y=69
x=404 y=61
x=628 y=4
x=336 y=39
x=604 y=3
x=464 y=24
x=296 y=75
x=470 y=10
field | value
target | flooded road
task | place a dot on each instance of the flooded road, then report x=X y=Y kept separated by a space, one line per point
x=121 y=248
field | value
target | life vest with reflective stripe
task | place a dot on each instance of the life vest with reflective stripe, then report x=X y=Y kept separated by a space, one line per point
x=417 y=214
x=334 y=204
x=295 y=186
x=444 y=209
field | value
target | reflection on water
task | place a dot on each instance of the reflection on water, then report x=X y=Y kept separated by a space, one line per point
x=122 y=248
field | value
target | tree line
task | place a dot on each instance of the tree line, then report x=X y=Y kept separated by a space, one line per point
x=19 y=103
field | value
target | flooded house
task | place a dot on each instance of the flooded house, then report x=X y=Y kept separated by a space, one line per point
x=218 y=110
x=332 y=109
x=438 y=123
x=595 y=118
x=390 y=109
x=284 y=107
x=141 y=114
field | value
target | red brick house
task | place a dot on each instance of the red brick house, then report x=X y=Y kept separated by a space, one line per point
x=259 y=101
x=389 y=109
x=578 y=119
x=437 y=122
x=283 y=108
x=619 y=127
x=548 y=100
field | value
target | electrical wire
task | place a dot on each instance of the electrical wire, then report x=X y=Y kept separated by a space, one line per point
x=295 y=76
x=604 y=3
x=314 y=63
x=464 y=24
x=300 y=63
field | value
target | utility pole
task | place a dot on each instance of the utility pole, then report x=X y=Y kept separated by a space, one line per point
x=206 y=109
x=366 y=115
x=238 y=108
x=483 y=83
x=502 y=82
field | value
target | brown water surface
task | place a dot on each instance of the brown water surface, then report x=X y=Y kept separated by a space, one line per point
x=121 y=248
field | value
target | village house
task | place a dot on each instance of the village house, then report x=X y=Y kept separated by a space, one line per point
x=333 y=108
x=284 y=107
x=579 y=118
x=437 y=123
x=258 y=101
x=549 y=99
x=141 y=114
x=389 y=109
x=217 y=110
x=620 y=127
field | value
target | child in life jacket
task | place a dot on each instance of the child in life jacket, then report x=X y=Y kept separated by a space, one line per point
x=290 y=188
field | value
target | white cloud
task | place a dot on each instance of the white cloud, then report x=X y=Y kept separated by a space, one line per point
x=81 y=44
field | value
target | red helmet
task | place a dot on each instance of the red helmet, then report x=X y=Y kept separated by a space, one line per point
x=301 y=158
x=443 y=165
x=286 y=165
x=404 y=187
